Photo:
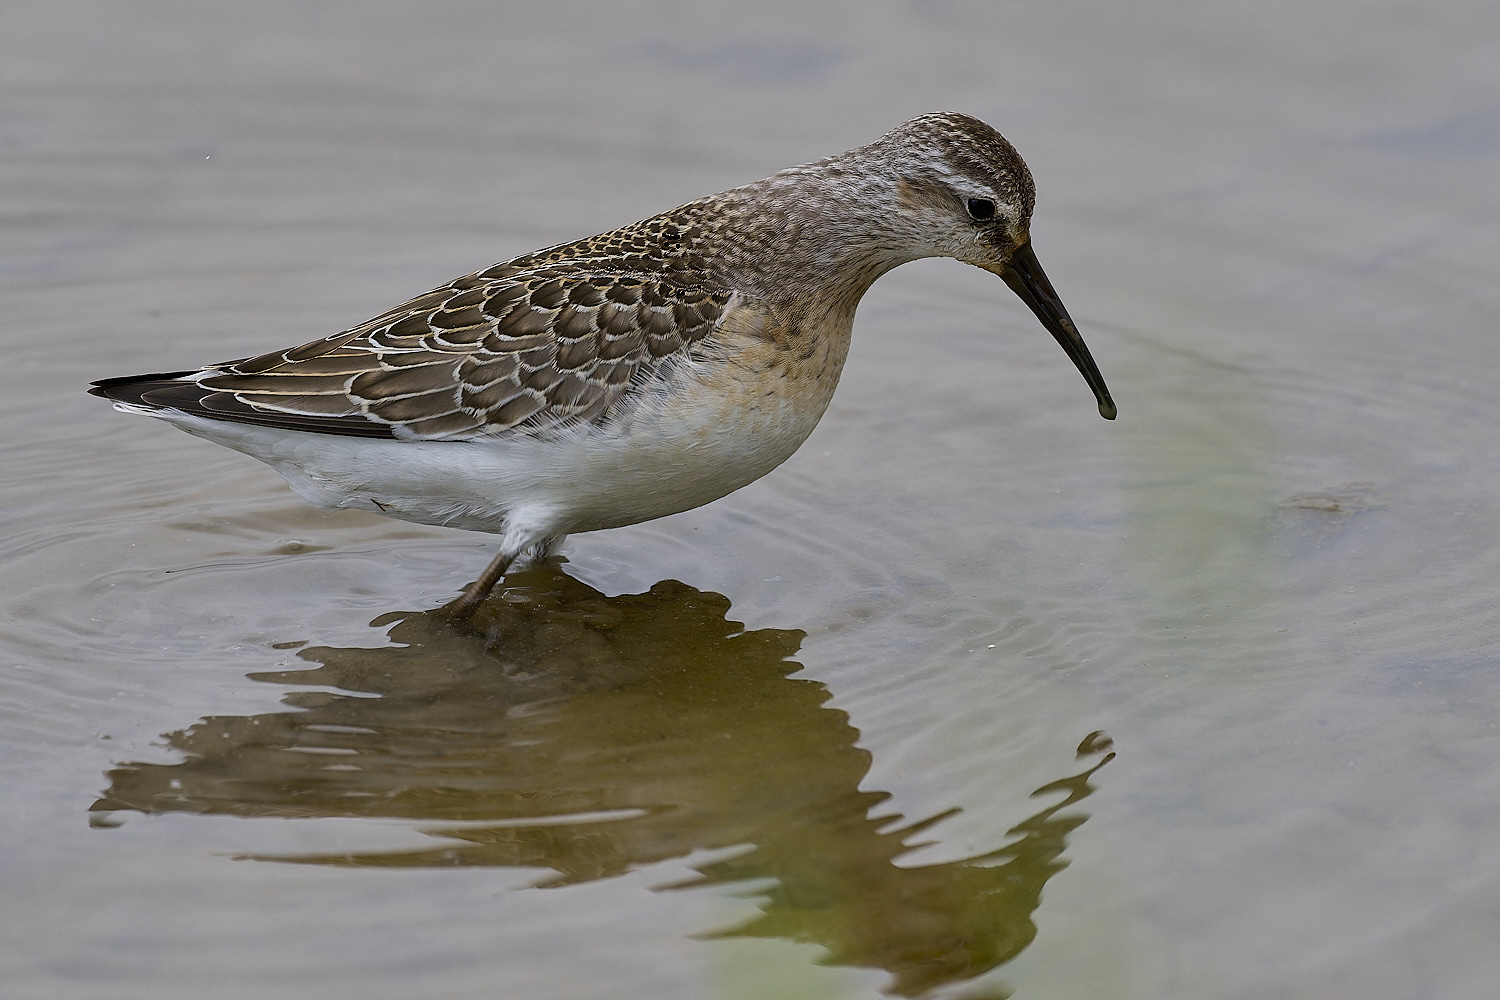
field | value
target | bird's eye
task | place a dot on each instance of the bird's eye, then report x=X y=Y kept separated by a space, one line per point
x=980 y=209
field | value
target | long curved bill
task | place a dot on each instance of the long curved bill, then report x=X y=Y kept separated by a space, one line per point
x=1027 y=279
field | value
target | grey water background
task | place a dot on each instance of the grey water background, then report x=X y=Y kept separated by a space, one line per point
x=837 y=733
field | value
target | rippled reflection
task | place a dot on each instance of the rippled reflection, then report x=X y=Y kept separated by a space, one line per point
x=589 y=735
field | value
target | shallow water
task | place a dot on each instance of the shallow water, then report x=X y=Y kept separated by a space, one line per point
x=977 y=696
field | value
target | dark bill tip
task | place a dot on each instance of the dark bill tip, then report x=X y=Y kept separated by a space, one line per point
x=1026 y=278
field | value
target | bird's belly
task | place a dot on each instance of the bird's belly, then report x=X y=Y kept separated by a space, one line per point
x=670 y=463
x=676 y=452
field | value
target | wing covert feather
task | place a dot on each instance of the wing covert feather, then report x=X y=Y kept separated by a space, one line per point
x=525 y=346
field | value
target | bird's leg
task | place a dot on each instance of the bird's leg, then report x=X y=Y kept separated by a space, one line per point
x=474 y=593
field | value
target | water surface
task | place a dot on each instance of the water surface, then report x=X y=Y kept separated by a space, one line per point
x=977 y=696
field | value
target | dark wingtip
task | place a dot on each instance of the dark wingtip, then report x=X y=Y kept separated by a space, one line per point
x=119 y=387
x=179 y=391
x=1107 y=409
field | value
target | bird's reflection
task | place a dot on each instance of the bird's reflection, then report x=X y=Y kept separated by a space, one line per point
x=589 y=735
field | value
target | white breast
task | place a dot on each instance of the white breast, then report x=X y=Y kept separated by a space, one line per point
x=676 y=452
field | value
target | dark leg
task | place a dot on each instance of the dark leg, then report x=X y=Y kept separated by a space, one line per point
x=477 y=591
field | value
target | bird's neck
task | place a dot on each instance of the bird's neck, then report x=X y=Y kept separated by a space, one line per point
x=792 y=239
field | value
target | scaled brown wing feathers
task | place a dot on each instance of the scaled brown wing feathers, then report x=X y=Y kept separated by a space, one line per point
x=540 y=342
